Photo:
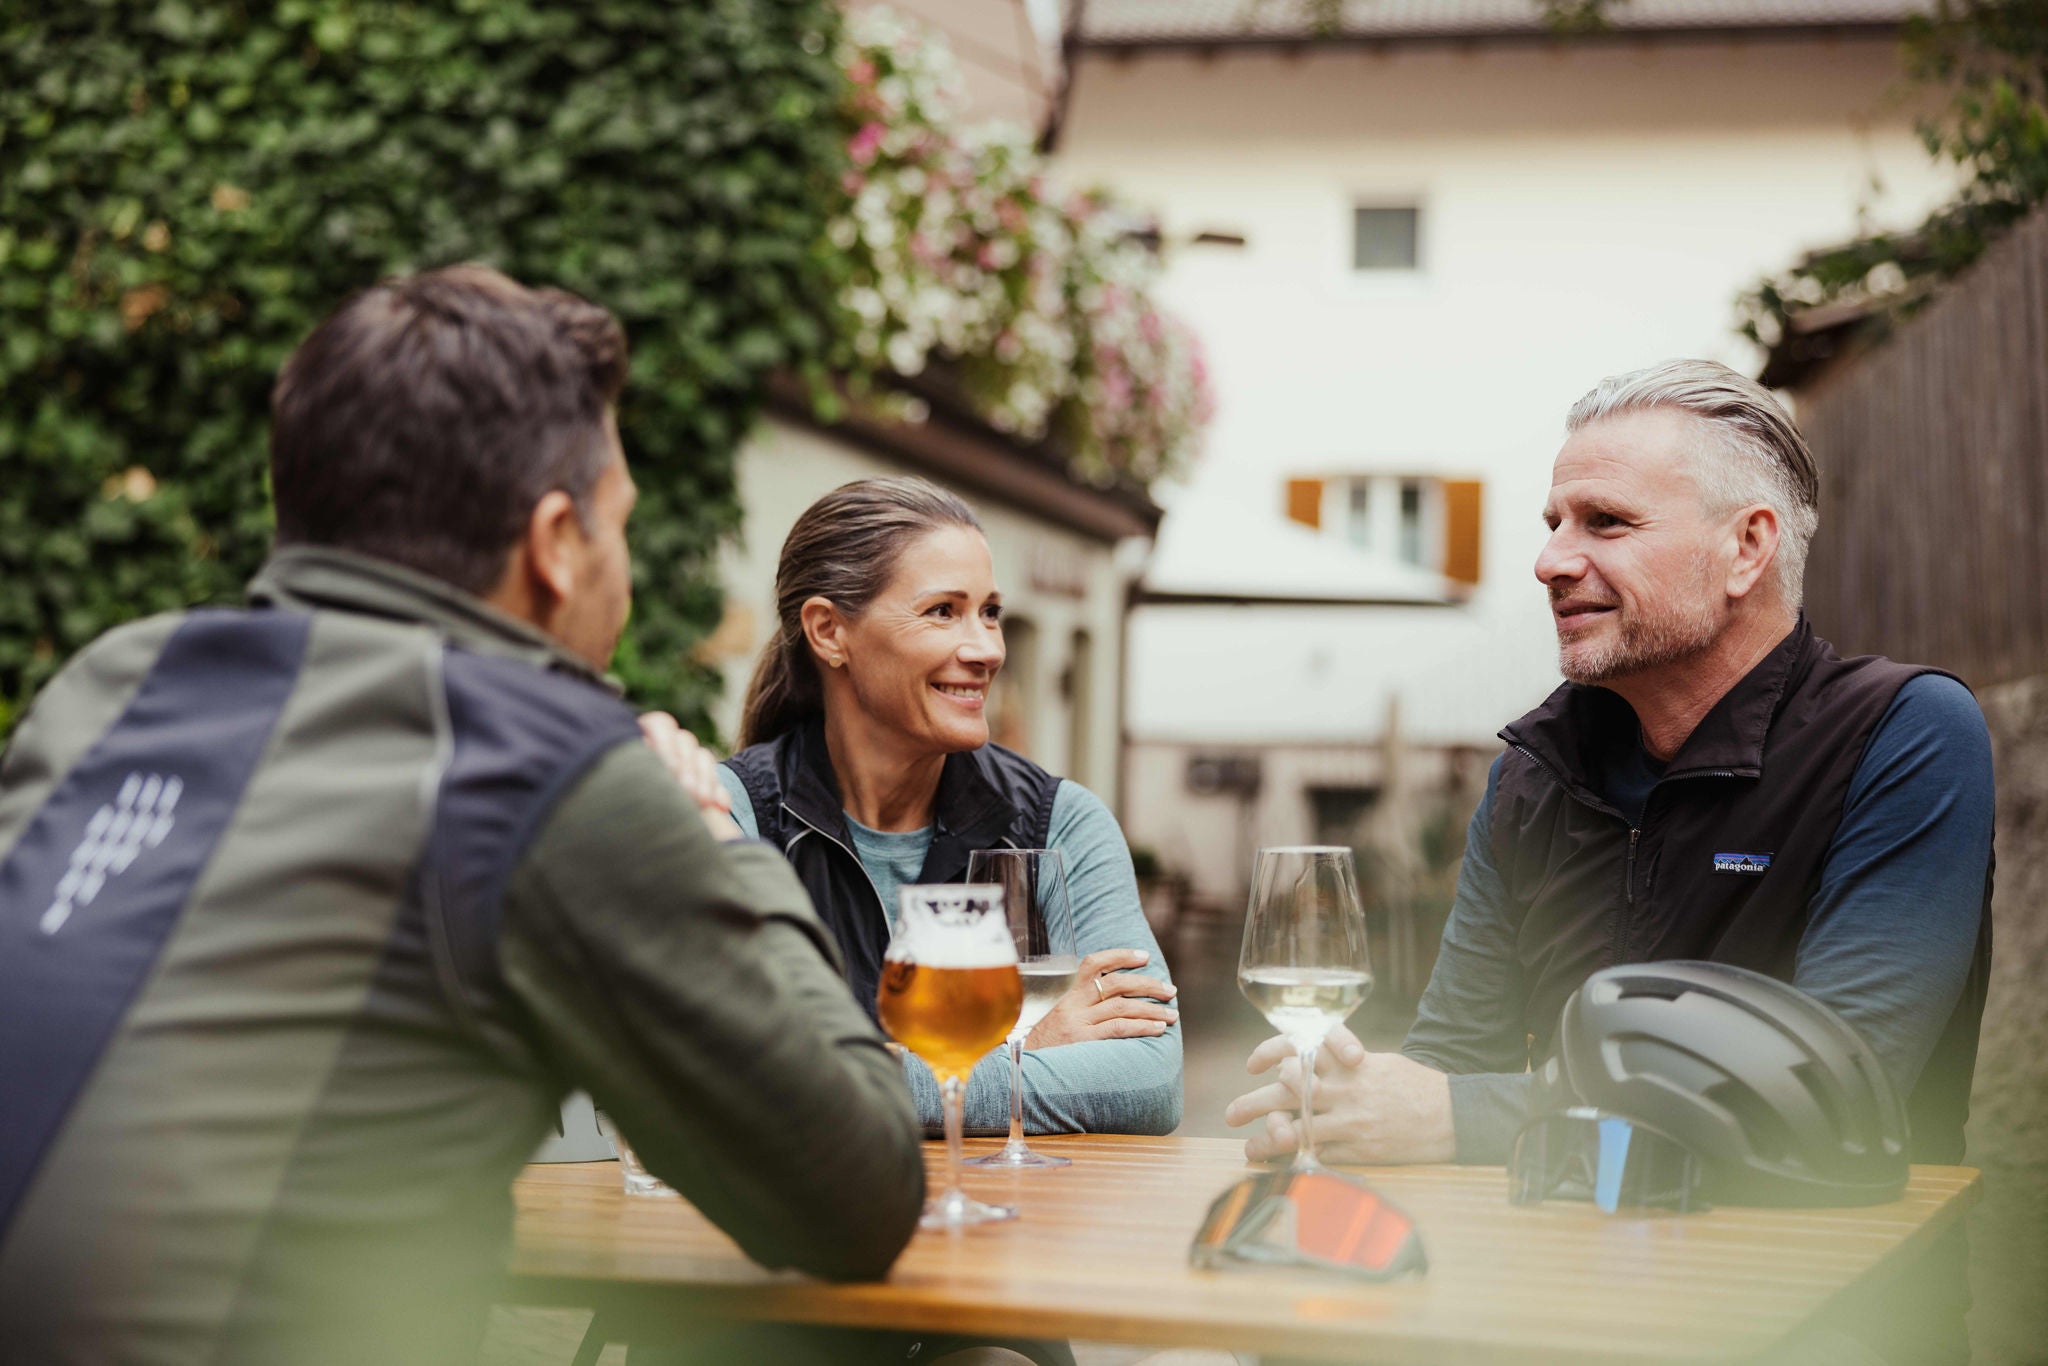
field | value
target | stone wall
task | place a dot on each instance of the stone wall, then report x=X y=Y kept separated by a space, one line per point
x=2008 y=1134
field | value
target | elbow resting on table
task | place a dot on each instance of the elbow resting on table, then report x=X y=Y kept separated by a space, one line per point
x=1160 y=1111
x=842 y=1232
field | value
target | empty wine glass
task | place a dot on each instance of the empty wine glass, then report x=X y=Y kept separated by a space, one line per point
x=1304 y=965
x=950 y=993
x=1034 y=883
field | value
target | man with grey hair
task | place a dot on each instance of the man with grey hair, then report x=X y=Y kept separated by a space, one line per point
x=1711 y=782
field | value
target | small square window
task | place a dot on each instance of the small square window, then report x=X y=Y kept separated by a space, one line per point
x=1384 y=238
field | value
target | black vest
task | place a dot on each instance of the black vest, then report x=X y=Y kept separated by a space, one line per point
x=1766 y=773
x=988 y=798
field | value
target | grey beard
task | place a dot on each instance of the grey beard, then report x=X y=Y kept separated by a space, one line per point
x=1676 y=632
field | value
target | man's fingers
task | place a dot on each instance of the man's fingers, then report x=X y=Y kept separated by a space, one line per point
x=721 y=825
x=1268 y=1055
x=655 y=724
x=1341 y=1046
x=1275 y=1140
x=693 y=767
x=703 y=781
x=1123 y=1027
x=1131 y=984
x=1255 y=1104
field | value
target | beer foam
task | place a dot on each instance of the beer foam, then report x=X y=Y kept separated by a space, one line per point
x=954 y=925
x=940 y=949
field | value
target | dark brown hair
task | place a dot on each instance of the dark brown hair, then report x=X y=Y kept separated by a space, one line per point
x=843 y=548
x=426 y=416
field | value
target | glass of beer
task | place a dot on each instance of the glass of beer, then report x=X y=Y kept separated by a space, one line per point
x=1034 y=883
x=950 y=992
x=1304 y=965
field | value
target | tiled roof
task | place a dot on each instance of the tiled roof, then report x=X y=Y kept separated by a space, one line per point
x=1145 y=23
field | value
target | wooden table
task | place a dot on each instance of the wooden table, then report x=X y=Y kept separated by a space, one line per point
x=1101 y=1253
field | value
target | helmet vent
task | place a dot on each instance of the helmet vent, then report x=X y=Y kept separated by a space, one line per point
x=1769 y=1137
x=1815 y=1081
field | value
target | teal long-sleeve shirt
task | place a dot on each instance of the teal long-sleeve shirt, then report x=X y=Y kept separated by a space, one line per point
x=1120 y=1086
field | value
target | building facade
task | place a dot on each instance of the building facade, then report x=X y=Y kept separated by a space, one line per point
x=1409 y=245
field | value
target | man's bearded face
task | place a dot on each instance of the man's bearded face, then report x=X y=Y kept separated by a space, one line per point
x=1630 y=567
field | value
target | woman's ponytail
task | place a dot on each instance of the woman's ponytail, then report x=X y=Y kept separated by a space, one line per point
x=784 y=691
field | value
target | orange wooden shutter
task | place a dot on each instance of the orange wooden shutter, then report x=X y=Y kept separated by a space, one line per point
x=1462 y=503
x=1305 y=501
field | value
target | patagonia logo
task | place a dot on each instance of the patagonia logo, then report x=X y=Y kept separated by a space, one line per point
x=1755 y=865
x=137 y=819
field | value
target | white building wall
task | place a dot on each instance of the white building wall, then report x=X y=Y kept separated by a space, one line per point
x=1055 y=581
x=1585 y=211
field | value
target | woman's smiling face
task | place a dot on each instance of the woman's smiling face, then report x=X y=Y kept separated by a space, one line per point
x=922 y=656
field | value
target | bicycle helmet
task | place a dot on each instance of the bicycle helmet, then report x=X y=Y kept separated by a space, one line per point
x=1779 y=1099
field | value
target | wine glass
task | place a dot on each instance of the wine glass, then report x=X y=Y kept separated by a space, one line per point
x=1304 y=965
x=637 y=1179
x=1034 y=883
x=950 y=992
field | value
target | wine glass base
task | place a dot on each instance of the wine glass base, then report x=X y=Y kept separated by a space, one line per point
x=954 y=1209
x=1016 y=1157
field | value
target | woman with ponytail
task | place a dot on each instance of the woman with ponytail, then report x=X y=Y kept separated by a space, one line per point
x=866 y=758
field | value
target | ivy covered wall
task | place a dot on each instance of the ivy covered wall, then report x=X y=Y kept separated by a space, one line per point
x=187 y=186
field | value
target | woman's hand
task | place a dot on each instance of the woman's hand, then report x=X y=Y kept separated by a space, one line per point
x=694 y=769
x=1108 y=1003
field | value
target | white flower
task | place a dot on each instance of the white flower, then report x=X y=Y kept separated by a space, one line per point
x=906 y=357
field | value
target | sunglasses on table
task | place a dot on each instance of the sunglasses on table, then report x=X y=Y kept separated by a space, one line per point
x=1313 y=1219
x=1584 y=1153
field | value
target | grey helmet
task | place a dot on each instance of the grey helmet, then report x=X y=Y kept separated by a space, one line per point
x=1779 y=1099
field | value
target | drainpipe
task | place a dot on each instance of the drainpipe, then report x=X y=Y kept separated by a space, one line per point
x=1070 y=50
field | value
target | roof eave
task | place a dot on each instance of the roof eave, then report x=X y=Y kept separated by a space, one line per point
x=1299 y=42
x=978 y=459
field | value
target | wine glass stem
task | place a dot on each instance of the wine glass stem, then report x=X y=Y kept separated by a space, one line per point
x=1016 y=1091
x=954 y=1093
x=1308 y=1106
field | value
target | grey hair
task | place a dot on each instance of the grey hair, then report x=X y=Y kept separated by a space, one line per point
x=1754 y=453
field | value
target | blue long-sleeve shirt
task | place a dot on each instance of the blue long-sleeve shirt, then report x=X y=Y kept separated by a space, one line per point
x=1123 y=1086
x=1889 y=934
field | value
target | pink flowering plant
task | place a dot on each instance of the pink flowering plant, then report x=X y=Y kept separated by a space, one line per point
x=958 y=252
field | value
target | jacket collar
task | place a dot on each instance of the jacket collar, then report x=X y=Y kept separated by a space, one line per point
x=1728 y=742
x=305 y=578
x=968 y=807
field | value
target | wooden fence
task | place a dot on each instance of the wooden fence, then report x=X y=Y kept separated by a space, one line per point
x=1933 y=448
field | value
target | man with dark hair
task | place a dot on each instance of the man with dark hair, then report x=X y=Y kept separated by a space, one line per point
x=311 y=913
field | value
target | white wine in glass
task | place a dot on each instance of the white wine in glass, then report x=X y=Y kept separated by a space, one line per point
x=1304 y=965
x=949 y=993
x=1034 y=883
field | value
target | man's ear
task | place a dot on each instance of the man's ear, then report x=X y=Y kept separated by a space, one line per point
x=824 y=632
x=553 y=548
x=1756 y=550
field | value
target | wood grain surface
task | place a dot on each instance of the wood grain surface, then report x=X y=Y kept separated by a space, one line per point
x=1100 y=1252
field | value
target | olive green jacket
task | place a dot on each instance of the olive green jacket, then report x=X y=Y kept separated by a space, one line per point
x=310 y=914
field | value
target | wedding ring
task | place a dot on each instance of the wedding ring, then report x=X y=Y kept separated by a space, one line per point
x=1098 y=988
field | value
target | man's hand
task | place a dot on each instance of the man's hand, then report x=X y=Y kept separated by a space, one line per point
x=1107 y=1003
x=694 y=769
x=1370 y=1107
